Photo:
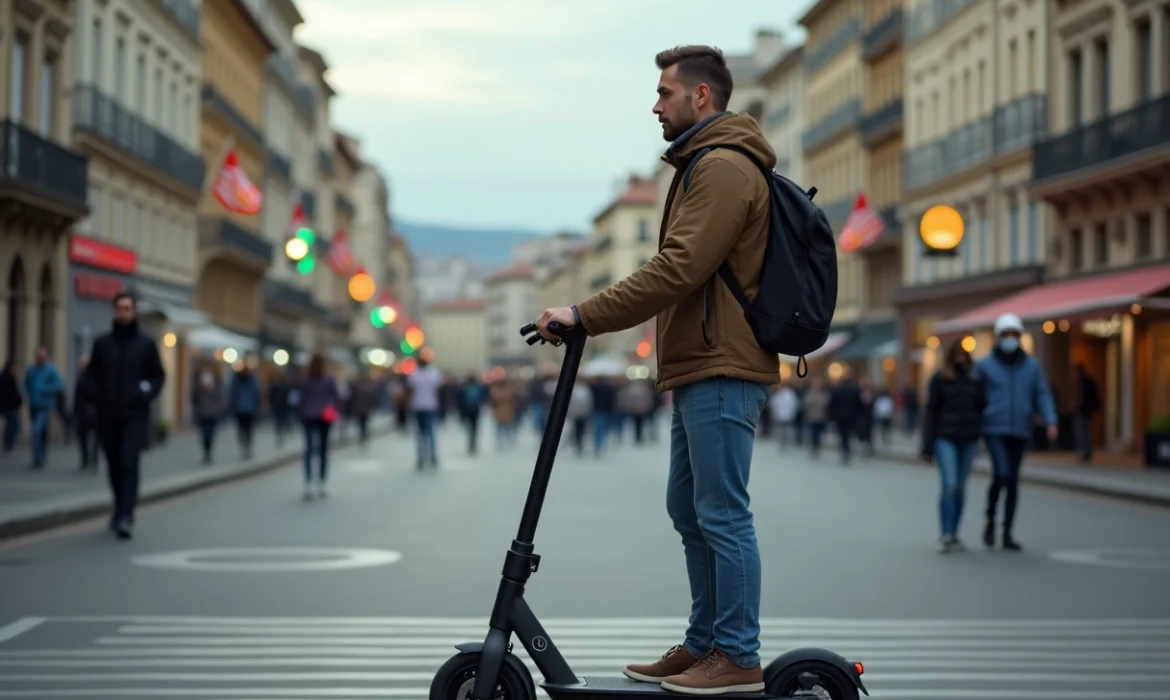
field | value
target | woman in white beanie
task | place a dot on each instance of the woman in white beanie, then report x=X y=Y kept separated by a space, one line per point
x=1016 y=392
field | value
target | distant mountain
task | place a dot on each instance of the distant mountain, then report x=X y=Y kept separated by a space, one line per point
x=490 y=247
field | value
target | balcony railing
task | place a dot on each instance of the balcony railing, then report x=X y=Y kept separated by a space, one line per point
x=278 y=165
x=309 y=204
x=96 y=112
x=931 y=15
x=922 y=164
x=1116 y=136
x=185 y=13
x=325 y=162
x=344 y=205
x=238 y=120
x=841 y=119
x=835 y=44
x=963 y=148
x=883 y=36
x=1020 y=123
x=230 y=235
x=36 y=164
x=882 y=123
x=289 y=295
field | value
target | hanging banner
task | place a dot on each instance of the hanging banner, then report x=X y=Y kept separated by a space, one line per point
x=232 y=188
x=863 y=227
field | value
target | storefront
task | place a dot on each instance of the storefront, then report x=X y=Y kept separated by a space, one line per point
x=922 y=307
x=97 y=272
x=1116 y=325
x=166 y=313
x=820 y=361
x=872 y=353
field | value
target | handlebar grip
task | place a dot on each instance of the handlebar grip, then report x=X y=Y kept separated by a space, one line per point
x=534 y=339
x=527 y=328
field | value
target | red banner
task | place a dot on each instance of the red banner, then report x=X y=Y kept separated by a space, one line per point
x=863 y=227
x=96 y=287
x=232 y=188
x=87 y=251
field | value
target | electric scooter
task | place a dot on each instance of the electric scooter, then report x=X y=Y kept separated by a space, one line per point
x=488 y=670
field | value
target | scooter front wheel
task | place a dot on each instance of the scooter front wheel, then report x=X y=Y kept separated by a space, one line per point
x=815 y=680
x=456 y=679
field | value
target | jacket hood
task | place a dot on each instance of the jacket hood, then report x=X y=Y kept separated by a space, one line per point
x=723 y=129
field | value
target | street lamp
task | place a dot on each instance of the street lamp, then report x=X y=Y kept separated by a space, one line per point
x=941 y=230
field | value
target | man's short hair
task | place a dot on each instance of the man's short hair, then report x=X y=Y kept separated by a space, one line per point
x=700 y=64
x=124 y=295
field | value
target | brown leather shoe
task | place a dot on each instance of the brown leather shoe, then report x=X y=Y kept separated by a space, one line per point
x=676 y=660
x=716 y=674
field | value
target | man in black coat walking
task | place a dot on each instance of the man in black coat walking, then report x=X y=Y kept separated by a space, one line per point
x=123 y=377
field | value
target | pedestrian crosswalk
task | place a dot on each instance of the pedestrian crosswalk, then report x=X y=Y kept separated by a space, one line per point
x=271 y=658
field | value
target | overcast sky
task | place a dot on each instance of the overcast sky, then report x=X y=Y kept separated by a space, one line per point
x=520 y=113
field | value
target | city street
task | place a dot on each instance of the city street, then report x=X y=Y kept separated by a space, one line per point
x=248 y=591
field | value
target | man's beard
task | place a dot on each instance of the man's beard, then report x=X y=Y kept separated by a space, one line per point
x=680 y=126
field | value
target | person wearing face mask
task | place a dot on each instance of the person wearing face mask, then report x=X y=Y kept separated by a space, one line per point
x=951 y=428
x=1016 y=392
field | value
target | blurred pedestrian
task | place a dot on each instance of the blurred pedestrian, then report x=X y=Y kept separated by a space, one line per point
x=709 y=356
x=85 y=420
x=815 y=404
x=951 y=428
x=424 y=383
x=636 y=400
x=42 y=386
x=605 y=412
x=472 y=396
x=580 y=406
x=846 y=409
x=865 y=415
x=362 y=401
x=11 y=402
x=245 y=405
x=319 y=402
x=208 y=405
x=505 y=410
x=1016 y=392
x=124 y=376
x=784 y=404
x=883 y=414
x=1088 y=403
x=279 y=400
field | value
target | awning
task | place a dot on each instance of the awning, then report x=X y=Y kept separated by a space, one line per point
x=867 y=341
x=1068 y=298
x=180 y=317
x=888 y=349
x=834 y=343
x=212 y=337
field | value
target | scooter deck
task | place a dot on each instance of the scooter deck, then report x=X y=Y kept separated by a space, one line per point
x=610 y=687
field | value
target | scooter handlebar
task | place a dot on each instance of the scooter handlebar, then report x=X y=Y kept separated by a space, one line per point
x=566 y=334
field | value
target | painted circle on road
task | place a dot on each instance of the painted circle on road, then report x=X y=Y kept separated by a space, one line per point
x=269 y=559
x=1152 y=559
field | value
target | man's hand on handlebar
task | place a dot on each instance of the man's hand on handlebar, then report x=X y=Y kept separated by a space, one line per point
x=562 y=315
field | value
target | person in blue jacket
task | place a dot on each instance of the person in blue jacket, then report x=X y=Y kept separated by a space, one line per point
x=42 y=385
x=1016 y=392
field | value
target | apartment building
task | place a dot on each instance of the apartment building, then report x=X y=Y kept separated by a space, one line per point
x=371 y=241
x=43 y=191
x=872 y=351
x=834 y=156
x=565 y=285
x=456 y=330
x=547 y=254
x=404 y=276
x=975 y=102
x=511 y=303
x=623 y=240
x=136 y=116
x=782 y=122
x=1104 y=169
x=748 y=93
x=290 y=314
x=233 y=254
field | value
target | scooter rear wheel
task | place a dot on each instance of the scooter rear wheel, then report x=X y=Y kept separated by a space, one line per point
x=815 y=680
x=456 y=679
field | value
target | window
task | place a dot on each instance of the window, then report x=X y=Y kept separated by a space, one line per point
x=140 y=86
x=1102 y=49
x=173 y=109
x=95 y=52
x=1076 y=250
x=643 y=231
x=985 y=257
x=48 y=81
x=1076 y=90
x=1030 y=76
x=1033 y=234
x=1145 y=237
x=158 y=97
x=16 y=78
x=1013 y=70
x=1013 y=234
x=118 y=223
x=120 y=69
x=1101 y=244
x=1145 y=62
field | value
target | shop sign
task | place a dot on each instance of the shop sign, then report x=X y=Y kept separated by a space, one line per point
x=87 y=251
x=96 y=287
x=1102 y=327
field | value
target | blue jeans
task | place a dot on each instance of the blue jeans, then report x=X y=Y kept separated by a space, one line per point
x=425 y=439
x=602 y=424
x=1007 y=453
x=954 y=466
x=316 y=439
x=40 y=426
x=713 y=428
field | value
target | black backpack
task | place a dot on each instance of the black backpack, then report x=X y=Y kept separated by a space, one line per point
x=798 y=282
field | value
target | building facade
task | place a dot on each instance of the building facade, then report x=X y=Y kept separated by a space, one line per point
x=975 y=102
x=456 y=330
x=233 y=254
x=1104 y=169
x=404 y=278
x=371 y=241
x=43 y=187
x=834 y=157
x=783 y=113
x=511 y=303
x=566 y=284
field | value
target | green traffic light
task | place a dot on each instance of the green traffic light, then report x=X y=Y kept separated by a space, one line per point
x=405 y=348
x=376 y=319
x=306 y=264
x=306 y=234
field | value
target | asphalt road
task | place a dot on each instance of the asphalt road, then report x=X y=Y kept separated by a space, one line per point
x=849 y=564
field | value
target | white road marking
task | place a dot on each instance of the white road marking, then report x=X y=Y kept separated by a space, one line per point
x=269 y=559
x=15 y=629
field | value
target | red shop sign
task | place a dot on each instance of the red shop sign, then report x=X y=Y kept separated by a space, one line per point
x=96 y=286
x=87 y=251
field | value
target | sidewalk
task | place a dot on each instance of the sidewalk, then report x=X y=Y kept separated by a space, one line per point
x=1109 y=475
x=61 y=493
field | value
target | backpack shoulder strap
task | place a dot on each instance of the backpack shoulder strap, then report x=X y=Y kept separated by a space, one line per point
x=686 y=181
